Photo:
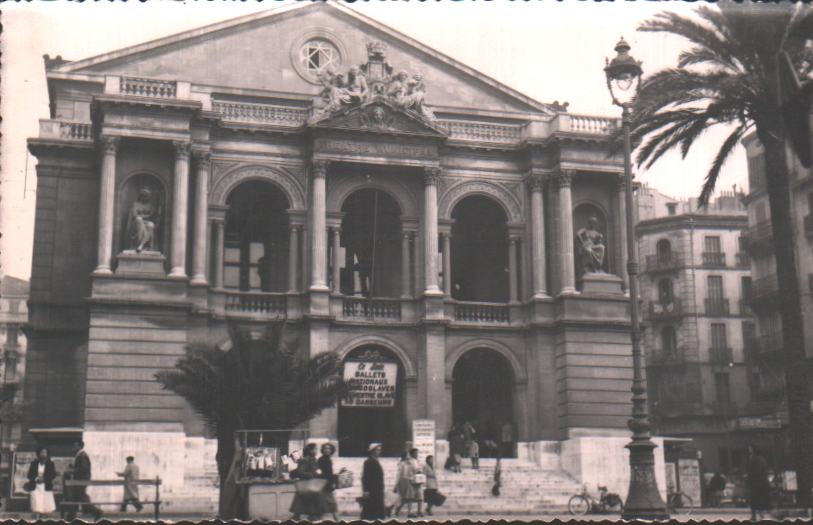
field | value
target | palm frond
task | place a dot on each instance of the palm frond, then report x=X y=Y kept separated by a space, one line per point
x=722 y=156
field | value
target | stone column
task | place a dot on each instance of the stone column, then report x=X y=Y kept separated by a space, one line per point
x=202 y=162
x=293 y=259
x=568 y=272
x=406 y=258
x=447 y=263
x=622 y=232
x=337 y=274
x=319 y=229
x=512 y=268
x=217 y=227
x=180 y=206
x=107 y=191
x=540 y=275
x=430 y=224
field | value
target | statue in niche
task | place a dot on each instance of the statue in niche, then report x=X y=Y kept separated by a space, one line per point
x=142 y=221
x=591 y=247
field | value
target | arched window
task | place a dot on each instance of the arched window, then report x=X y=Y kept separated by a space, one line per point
x=665 y=292
x=664 y=250
x=668 y=340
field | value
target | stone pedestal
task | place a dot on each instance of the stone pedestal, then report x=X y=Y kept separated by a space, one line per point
x=604 y=283
x=146 y=264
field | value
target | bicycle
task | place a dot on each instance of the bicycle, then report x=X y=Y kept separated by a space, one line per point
x=582 y=503
x=679 y=503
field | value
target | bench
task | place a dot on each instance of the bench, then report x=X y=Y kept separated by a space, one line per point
x=67 y=502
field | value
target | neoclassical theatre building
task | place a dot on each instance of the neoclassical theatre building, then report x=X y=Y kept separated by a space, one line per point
x=388 y=202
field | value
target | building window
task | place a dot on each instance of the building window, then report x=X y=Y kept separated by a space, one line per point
x=712 y=244
x=718 y=335
x=740 y=243
x=664 y=250
x=715 y=286
x=12 y=335
x=746 y=283
x=749 y=338
x=669 y=340
x=672 y=208
x=665 y=291
x=318 y=55
x=722 y=388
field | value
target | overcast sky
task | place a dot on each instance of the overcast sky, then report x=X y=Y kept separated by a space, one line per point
x=547 y=50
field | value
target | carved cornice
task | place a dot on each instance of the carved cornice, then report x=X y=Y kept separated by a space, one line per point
x=182 y=149
x=109 y=145
x=319 y=169
x=431 y=175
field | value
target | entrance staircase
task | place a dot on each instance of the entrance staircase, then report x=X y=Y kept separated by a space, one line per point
x=526 y=488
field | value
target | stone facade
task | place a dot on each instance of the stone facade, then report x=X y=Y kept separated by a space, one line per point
x=207 y=135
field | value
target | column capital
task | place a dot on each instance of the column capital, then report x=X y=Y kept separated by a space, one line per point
x=564 y=178
x=202 y=158
x=431 y=175
x=109 y=145
x=319 y=168
x=181 y=149
x=535 y=182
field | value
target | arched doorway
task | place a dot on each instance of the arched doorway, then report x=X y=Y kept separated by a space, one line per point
x=255 y=254
x=371 y=238
x=375 y=408
x=479 y=256
x=482 y=394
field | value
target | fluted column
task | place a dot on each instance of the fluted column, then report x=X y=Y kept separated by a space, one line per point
x=447 y=263
x=540 y=275
x=622 y=232
x=319 y=229
x=337 y=273
x=202 y=163
x=568 y=277
x=180 y=209
x=217 y=227
x=293 y=259
x=406 y=257
x=430 y=224
x=107 y=190
x=512 y=269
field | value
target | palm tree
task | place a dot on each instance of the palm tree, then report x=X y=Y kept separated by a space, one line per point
x=729 y=77
x=260 y=384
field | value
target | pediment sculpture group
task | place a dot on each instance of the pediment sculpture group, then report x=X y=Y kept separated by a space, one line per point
x=372 y=80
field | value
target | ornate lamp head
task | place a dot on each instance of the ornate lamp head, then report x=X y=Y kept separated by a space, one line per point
x=623 y=72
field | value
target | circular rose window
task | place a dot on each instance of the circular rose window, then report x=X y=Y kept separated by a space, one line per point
x=316 y=52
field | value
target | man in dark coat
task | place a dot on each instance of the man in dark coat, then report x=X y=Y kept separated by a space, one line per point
x=759 y=488
x=372 y=486
x=82 y=471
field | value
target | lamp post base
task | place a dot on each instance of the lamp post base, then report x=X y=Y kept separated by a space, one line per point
x=643 y=499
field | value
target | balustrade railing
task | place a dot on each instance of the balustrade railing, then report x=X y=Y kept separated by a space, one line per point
x=663 y=261
x=148 y=87
x=482 y=312
x=257 y=113
x=483 y=131
x=375 y=308
x=256 y=303
x=591 y=125
x=81 y=131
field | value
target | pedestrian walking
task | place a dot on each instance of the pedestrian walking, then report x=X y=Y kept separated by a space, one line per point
x=372 y=485
x=716 y=488
x=130 y=474
x=41 y=474
x=308 y=499
x=455 y=449
x=474 y=454
x=468 y=436
x=326 y=467
x=82 y=472
x=495 y=490
x=410 y=488
x=400 y=479
x=759 y=488
x=430 y=493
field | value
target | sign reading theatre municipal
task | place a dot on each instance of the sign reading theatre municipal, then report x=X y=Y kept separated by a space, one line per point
x=370 y=384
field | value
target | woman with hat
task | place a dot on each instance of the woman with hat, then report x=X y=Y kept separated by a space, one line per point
x=306 y=500
x=372 y=485
x=326 y=466
x=408 y=486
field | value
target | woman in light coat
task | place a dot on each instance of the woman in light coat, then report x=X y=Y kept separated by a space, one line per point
x=430 y=493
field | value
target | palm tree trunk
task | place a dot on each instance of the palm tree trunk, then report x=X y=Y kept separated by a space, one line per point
x=790 y=309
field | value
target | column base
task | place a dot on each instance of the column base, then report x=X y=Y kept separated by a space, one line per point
x=569 y=291
x=102 y=270
x=177 y=273
x=433 y=292
x=541 y=295
x=198 y=280
x=318 y=288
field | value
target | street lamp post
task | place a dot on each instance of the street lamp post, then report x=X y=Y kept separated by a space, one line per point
x=643 y=499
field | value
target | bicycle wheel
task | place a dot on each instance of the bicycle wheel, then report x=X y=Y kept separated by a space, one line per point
x=578 y=505
x=680 y=503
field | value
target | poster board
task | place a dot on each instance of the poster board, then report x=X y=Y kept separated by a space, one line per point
x=370 y=384
x=689 y=478
x=19 y=473
x=423 y=438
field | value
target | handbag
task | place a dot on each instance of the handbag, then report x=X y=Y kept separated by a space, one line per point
x=29 y=486
x=344 y=479
x=310 y=486
x=439 y=499
x=420 y=478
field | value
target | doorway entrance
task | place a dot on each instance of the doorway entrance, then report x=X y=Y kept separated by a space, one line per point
x=482 y=394
x=374 y=410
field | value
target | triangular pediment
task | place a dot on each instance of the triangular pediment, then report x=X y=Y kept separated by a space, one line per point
x=262 y=53
x=379 y=115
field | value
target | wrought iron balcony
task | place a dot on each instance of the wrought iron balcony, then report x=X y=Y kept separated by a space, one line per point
x=714 y=259
x=371 y=308
x=717 y=307
x=256 y=303
x=743 y=260
x=482 y=312
x=720 y=355
x=758 y=239
x=664 y=262
x=659 y=310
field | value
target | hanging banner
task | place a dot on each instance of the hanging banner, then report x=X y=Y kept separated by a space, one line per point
x=423 y=438
x=370 y=384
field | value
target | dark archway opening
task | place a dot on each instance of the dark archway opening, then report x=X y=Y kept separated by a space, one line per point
x=360 y=423
x=482 y=394
x=371 y=238
x=255 y=254
x=479 y=257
